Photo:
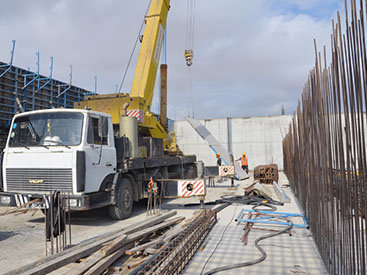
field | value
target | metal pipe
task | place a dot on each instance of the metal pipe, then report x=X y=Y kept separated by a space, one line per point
x=163 y=97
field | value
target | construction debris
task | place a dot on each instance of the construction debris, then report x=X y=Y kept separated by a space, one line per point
x=280 y=193
x=174 y=248
x=21 y=209
x=271 y=217
x=266 y=173
x=86 y=249
x=247 y=228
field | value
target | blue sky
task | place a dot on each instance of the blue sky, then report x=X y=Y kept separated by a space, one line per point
x=324 y=9
x=251 y=57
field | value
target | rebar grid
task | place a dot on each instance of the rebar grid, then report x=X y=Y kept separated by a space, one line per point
x=325 y=149
x=173 y=258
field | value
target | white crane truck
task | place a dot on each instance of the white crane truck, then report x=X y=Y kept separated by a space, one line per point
x=104 y=151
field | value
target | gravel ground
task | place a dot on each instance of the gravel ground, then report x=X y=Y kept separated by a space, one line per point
x=22 y=238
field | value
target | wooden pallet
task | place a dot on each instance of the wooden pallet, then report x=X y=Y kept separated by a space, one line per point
x=266 y=173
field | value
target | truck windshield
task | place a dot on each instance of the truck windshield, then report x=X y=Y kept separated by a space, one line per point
x=47 y=129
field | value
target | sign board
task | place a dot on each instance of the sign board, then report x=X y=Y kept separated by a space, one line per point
x=189 y=188
x=226 y=171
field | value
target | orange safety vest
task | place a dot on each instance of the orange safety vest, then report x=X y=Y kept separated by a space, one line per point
x=244 y=161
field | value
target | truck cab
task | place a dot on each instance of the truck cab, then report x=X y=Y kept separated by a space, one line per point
x=58 y=149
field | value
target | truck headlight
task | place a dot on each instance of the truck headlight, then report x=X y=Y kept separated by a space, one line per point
x=73 y=202
x=5 y=199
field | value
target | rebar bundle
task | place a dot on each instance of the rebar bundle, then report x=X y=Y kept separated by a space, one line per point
x=57 y=222
x=325 y=149
x=175 y=256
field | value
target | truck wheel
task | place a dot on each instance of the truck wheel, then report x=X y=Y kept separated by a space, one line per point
x=124 y=201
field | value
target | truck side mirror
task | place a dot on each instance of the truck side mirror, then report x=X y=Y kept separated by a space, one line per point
x=103 y=126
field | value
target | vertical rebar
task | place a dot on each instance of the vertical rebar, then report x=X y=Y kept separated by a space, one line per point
x=45 y=220
x=64 y=216
x=58 y=238
x=69 y=219
x=52 y=222
x=325 y=148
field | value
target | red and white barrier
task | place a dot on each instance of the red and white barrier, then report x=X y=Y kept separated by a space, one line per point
x=226 y=171
x=189 y=188
x=139 y=114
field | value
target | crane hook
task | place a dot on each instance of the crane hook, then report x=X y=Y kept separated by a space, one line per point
x=189 y=55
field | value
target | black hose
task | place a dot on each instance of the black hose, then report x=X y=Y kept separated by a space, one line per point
x=253 y=198
x=263 y=253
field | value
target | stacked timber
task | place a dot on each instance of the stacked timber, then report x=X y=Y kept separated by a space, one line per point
x=266 y=173
x=98 y=254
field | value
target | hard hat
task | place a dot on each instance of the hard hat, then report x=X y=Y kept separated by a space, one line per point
x=218 y=154
x=244 y=154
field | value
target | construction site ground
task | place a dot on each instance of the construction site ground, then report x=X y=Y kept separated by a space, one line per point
x=22 y=237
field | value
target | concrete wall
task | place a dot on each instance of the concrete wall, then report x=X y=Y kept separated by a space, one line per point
x=260 y=137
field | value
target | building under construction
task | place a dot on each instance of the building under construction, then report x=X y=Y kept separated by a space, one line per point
x=183 y=202
x=23 y=90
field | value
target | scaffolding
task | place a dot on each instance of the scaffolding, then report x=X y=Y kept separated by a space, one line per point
x=24 y=90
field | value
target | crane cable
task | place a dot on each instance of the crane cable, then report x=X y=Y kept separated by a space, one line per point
x=190 y=26
x=190 y=97
x=189 y=53
x=133 y=50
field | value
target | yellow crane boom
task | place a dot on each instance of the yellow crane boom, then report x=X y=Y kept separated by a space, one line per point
x=148 y=61
x=141 y=96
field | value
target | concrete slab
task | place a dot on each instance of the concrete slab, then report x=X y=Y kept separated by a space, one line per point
x=217 y=147
x=286 y=254
x=260 y=137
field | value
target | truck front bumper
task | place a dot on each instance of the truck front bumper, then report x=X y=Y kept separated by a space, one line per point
x=77 y=202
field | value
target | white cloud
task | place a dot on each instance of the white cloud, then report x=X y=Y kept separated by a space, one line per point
x=249 y=58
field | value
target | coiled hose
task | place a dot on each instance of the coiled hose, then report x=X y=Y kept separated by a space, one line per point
x=252 y=198
x=263 y=253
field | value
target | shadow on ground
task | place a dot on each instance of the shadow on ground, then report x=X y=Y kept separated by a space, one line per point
x=6 y=235
x=96 y=217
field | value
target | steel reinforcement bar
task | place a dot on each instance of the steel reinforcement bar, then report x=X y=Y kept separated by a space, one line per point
x=173 y=258
x=325 y=150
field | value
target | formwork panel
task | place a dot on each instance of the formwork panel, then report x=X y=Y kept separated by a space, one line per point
x=31 y=98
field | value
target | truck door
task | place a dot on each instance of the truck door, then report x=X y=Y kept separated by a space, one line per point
x=100 y=153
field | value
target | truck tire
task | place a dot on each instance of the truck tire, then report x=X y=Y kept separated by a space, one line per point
x=124 y=201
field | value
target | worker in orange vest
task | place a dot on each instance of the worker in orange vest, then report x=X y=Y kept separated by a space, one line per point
x=244 y=162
